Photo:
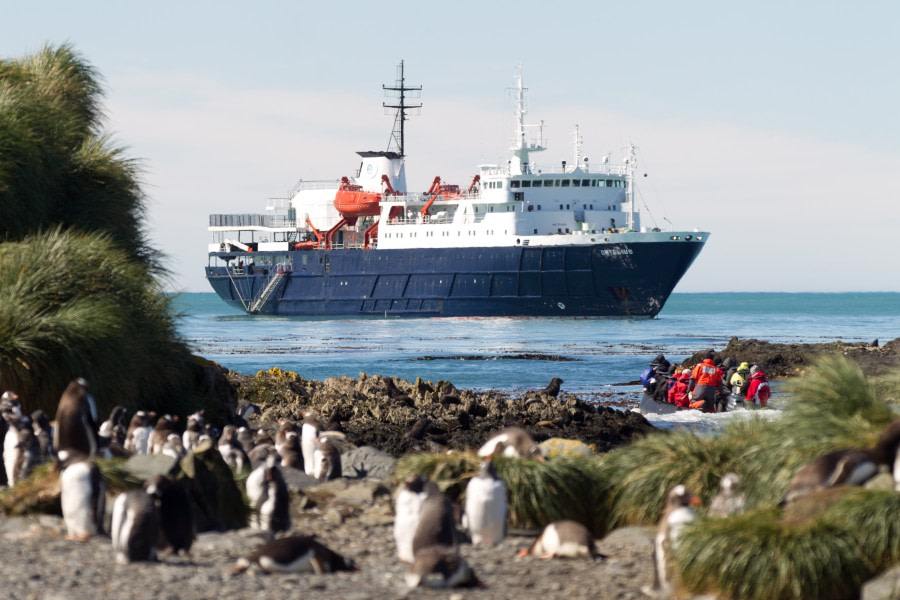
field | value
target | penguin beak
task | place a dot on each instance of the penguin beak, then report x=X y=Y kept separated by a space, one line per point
x=523 y=552
x=695 y=501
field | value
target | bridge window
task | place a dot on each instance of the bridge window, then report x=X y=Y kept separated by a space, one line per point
x=538 y=183
x=566 y=182
x=576 y=183
x=585 y=182
x=514 y=184
x=609 y=183
x=526 y=183
x=499 y=185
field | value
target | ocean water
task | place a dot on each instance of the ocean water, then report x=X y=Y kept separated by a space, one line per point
x=592 y=356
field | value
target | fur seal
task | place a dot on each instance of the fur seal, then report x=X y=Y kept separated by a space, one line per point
x=295 y=554
x=76 y=424
x=135 y=527
x=82 y=496
x=485 y=508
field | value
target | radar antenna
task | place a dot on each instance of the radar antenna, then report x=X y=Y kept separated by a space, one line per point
x=399 y=93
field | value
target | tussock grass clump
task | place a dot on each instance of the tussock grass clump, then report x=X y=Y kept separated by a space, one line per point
x=538 y=493
x=641 y=474
x=754 y=556
x=38 y=493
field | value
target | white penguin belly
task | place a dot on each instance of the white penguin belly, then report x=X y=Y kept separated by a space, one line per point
x=406 y=519
x=77 y=500
x=485 y=510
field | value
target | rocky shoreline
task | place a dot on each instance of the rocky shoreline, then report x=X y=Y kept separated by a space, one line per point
x=354 y=516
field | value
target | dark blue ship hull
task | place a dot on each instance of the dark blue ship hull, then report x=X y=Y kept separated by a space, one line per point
x=603 y=280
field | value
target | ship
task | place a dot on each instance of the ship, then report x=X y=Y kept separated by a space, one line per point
x=522 y=239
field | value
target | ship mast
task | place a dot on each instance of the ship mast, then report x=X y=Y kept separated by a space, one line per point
x=399 y=91
x=630 y=165
x=521 y=147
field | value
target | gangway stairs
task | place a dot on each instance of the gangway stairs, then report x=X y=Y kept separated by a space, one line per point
x=260 y=300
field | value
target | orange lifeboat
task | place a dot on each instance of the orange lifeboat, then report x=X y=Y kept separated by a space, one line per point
x=351 y=201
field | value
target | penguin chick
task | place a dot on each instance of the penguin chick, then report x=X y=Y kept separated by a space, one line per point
x=291 y=455
x=196 y=426
x=176 y=521
x=326 y=460
x=231 y=450
x=729 y=501
x=295 y=554
x=437 y=522
x=563 y=539
x=309 y=432
x=76 y=426
x=446 y=563
x=135 y=527
x=485 y=506
x=174 y=447
x=512 y=442
x=82 y=496
x=137 y=437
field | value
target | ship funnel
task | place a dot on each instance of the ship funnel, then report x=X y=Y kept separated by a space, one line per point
x=376 y=164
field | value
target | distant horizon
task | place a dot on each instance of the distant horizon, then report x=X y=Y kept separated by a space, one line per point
x=774 y=129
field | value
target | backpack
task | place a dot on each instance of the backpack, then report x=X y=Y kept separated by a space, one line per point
x=647 y=374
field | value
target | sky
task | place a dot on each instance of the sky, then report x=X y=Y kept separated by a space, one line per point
x=773 y=125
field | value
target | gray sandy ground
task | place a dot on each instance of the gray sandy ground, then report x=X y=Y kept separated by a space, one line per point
x=36 y=561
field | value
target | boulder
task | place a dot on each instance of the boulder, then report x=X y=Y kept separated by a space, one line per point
x=209 y=482
x=884 y=587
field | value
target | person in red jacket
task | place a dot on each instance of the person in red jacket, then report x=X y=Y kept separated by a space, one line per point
x=706 y=381
x=678 y=393
x=758 y=392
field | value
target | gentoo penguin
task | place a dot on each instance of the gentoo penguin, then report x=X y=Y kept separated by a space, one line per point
x=174 y=447
x=137 y=438
x=437 y=522
x=295 y=554
x=43 y=431
x=563 y=539
x=291 y=456
x=485 y=509
x=730 y=500
x=269 y=499
x=10 y=411
x=82 y=495
x=12 y=448
x=26 y=454
x=245 y=437
x=285 y=427
x=135 y=527
x=263 y=437
x=246 y=410
x=407 y=505
x=445 y=562
x=195 y=427
x=326 y=459
x=232 y=451
x=176 y=521
x=678 y=512
x=512 y=441
x=165 y=425
x=846 y=467
x=76 y=420
x=309 y=432
x=113 y=428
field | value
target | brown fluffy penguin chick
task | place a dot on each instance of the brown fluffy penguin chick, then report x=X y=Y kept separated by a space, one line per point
x=437 y=522
x=678 y=512
x=76 y=426
x=440 y=567
x=176 y=521
x=327 y=459
x=291 y=456
x=295 y=554
x=563 y=539
x=512 y=442
x=846 y=467
x=730 y=500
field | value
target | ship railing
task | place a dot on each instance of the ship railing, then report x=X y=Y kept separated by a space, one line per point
x=314 y=184
x=534 y=169
x=251 y=220
x=419 y=220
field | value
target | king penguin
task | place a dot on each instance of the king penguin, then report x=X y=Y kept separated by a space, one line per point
x=295 y=554
x=135 y=527
x=76 y=420
x=678 y=512
x=82 y=496
x=485 y=508
x=176 y=521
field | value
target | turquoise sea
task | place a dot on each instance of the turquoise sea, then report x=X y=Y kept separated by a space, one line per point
x=591 y=355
